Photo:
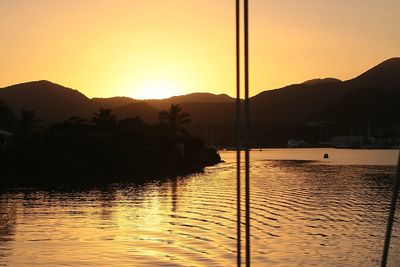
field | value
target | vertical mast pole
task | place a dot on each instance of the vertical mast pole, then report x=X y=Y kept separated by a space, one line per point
x=247 y=128
x=391 y=216
x=238 y=163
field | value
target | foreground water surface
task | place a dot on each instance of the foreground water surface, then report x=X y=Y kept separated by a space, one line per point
x=306 y=211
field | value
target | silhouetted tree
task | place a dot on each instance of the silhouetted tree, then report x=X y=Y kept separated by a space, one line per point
x=104 y=119
x=130 y=123
x=28 y=123
x=7 y=118
x=76 y=152
x=73 y=123
x=175 y=118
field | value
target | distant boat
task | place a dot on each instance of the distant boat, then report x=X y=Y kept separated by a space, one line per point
x=348 y=141
x=292 y=143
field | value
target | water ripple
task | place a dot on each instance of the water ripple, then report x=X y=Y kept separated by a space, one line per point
x=304 y=213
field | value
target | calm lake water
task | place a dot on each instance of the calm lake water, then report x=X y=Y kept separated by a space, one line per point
x=304 y=213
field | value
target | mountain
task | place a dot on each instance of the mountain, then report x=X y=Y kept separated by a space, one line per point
x=113 y=102
x=52 y=102
x=163 y=104
x=365 y=104
x=298 y=102
x=385 y=75
x=201 y=97
x=374 y=93
x=143 y=110
x=320 y=81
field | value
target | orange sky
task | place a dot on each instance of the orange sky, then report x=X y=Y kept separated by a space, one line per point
x=158 y=48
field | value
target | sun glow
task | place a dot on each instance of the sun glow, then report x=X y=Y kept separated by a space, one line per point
x=110 y=48
x=157 y=89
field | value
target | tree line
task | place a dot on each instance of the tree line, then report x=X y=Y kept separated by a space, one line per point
x=98 y=150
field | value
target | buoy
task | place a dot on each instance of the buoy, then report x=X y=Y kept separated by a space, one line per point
x=326 y=156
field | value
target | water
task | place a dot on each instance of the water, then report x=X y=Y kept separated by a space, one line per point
x=304 y=213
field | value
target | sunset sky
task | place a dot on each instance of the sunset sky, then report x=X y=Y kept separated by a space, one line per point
x=159 y=48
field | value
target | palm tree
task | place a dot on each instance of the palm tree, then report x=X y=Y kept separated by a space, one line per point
x=174 y=118
x=73 y=123
x=7 y=119
x=104 y=119
x=28 y=122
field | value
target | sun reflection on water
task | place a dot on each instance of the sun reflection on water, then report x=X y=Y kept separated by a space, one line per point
x=303 y=213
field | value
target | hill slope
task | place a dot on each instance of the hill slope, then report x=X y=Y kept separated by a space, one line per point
x=295 y=102
x=385 y=75
x=319 y=99
x=299 y=102
x=52 y=102
x=143 y=110
x=113 y=102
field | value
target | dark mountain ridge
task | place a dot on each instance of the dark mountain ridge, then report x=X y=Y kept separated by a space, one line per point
x=298 y=102
x=322 y=81
x=113 y=102
x=52 y=102
x=385 y=75
x=317 y=99
x=137 y=109
x=294 y=103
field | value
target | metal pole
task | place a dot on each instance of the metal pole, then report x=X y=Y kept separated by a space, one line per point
x=238 y=163
x=247 y=128
x=391 y=216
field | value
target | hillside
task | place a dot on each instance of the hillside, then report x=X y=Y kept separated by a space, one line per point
x=295 y=103
x=385 y=75
x=52 y=102
x=299 y=102
x=190 y=98
x=374 y=93
x=365 y=104
x=114 y=102
x=143 y=110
